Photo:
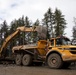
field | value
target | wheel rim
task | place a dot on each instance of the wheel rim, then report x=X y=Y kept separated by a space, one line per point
x=53 y=62
x=18 y=60
x=26 y=60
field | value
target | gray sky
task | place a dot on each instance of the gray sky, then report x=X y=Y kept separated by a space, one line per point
x=35 y=9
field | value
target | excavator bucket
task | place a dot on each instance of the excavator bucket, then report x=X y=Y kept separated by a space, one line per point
x=42 y=31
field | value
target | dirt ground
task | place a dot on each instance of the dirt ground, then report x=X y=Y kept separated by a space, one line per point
x=12 y=69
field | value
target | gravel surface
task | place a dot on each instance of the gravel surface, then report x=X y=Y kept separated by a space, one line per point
x=12 y=69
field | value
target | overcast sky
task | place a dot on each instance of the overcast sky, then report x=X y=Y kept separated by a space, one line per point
x=35 y=9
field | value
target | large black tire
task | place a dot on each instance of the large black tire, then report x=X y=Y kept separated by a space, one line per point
x=27 y=60
x=18 y=59
x=37 y=63
x=66 y=65
x=54 y=61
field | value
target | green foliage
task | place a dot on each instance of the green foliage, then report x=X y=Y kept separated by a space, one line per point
x=74 y=32
x=48 y=22
x=20 y=39
x=3 y=32
x=60 y=23
x=34 y=34
x=4 y=29
x=53 y=21
x=74 y=29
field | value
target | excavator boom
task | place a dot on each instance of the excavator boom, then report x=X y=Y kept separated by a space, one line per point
x=6 y=41
x=10 y=37
x=18 y=30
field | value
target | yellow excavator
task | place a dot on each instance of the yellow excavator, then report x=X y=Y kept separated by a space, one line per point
x=57 y=52
x=5 y=44
x=10 y=37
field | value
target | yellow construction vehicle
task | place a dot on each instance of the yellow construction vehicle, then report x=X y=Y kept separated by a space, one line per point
x=56 y=52
x=3 y=49
x=9 y=39
x=60 y=53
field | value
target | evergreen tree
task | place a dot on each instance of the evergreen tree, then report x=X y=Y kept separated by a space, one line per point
x=14 y=25
x=27 y=22
x=34 y=35
x=20 y=21
x=60 y=23
x=74 y=29
x=74 y=32
x=0 y=36
x=4 y=29
x=37 y=23
x=48 y=22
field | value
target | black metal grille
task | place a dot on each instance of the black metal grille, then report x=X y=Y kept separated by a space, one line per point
x=73 y=52
x=73 y=48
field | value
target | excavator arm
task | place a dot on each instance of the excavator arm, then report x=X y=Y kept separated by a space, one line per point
x=10 y=37
x=7 y=40
x=18 y=30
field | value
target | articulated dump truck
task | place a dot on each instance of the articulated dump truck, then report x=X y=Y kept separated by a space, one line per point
x=56 y=52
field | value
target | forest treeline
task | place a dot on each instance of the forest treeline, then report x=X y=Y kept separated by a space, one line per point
x=54 y=21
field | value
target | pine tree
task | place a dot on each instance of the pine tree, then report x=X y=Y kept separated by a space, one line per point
x=4 y=29
x=74 y=32
x=34 y=35
x=0 y=35
x=27 y=22
x=74 y=29
x=48 y=22
x=37 y=23
x=60 y=23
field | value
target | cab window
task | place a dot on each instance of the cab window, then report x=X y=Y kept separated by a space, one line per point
x=58 y=41
x=52 y=42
